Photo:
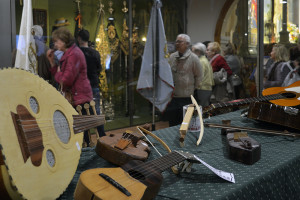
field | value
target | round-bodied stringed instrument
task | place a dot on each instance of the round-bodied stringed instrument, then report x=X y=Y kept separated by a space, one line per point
x=40 y=137
x=120 y=148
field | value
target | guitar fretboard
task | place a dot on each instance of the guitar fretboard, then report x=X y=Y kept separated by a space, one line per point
x=85 y=122
x=239 y=102
x=165 y=162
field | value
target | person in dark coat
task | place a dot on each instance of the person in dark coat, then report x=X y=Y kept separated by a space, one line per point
x=94 y=68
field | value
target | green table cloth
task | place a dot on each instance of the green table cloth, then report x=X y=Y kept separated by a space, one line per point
x=275 y=176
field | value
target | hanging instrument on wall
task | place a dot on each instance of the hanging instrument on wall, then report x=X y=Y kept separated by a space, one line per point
x=78 y=18
x=40 y=137
x=282 y=96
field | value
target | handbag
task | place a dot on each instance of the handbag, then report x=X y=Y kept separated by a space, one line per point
x=220 y=77
x=67 y=94
x=235 y=80
x=291 y=77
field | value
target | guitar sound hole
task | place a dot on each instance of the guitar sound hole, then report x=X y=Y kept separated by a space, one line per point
x=289 y=95
x=34 y=105
x=136 y=175
x=50 y=158
x=61 y=126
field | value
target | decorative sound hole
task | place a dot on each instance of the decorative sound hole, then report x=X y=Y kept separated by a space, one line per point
x=50 y=158
x=34 y=104
x=61 y=126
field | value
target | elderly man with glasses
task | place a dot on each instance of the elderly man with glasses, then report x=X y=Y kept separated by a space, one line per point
x=187 y=74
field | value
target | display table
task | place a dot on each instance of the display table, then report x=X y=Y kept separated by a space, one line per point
x=275 y=176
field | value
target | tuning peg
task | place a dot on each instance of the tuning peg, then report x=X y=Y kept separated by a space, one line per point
x=181 y=144
x=187 y=166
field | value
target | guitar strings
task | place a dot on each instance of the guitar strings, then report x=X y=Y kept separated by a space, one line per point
x=146 y=169
x=247 y=100
x=160 y=161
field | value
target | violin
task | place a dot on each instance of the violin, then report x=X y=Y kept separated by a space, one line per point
x=243 y=148
x=120 y=148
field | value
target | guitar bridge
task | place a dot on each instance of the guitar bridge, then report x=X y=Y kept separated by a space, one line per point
x=29 y=135
x=115 y=184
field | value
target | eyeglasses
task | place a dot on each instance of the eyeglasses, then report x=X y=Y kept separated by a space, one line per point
x=179 y=41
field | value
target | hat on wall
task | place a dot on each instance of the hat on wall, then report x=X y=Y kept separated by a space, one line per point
x=61 y=22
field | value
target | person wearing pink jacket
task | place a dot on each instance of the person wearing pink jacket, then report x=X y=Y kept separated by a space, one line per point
x=71 y=71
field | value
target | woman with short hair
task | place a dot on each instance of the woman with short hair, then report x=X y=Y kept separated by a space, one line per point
x=235 y=65
x=277 y=72
x=204 y=89
x=71 y=71
x=219 y=64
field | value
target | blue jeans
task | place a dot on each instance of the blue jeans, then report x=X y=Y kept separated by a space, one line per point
x=96 y=98
x=100 y=129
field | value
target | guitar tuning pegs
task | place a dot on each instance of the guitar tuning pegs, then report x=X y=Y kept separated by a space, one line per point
x=187 y=167
x=184 y=166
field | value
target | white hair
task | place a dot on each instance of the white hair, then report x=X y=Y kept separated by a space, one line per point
x=185 y=37
x=38 y=31
x=200 y=47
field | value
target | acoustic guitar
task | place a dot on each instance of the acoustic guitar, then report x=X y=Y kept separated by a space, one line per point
x=282 y=96
x=134 y=180
x=41 y=137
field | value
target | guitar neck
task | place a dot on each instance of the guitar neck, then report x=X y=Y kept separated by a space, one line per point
x=239 y=102
x=166 y=161
x=86 y=122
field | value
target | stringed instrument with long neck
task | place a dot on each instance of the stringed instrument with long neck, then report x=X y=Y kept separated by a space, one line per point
x=281 y=115
x=283 y=96
x=41 y=137
x=134 y=180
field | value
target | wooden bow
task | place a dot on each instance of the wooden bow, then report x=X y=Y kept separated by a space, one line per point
x=200 y=119
x=186 y=122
